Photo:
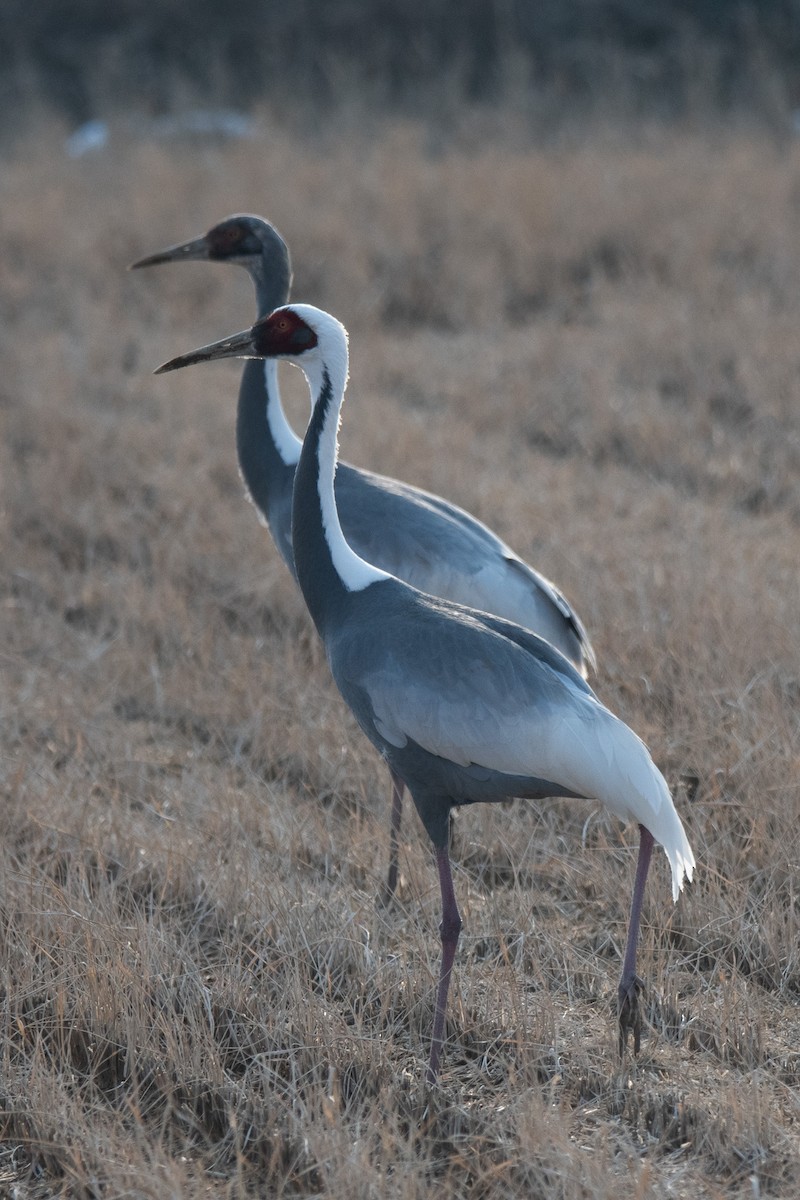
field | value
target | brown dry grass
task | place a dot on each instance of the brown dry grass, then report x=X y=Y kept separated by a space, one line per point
x=595 y=347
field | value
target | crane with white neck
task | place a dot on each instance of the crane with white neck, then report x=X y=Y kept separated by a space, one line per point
x=465 y=707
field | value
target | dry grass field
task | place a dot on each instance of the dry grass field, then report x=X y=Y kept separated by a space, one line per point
x=595 y=346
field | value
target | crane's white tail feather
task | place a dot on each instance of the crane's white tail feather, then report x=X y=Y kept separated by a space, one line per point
x=596 y=754
x=650 y=803
x=667 y=828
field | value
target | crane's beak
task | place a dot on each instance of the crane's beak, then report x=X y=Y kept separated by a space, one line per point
x=196 y=250
x=238 y=345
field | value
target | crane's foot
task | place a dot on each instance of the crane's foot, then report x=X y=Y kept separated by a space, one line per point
x=630 y=1014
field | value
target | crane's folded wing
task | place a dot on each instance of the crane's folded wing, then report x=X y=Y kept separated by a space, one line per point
x=503 y=709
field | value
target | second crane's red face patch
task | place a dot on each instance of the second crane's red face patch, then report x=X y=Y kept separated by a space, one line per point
x=226 y=239
x=236 y=238
x=283 y=332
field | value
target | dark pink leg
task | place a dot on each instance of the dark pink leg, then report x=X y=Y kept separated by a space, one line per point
x=630 y=984
x=449 y=929
x=394 y=836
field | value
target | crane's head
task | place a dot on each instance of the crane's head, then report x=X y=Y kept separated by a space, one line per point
x=243 y=239
x=291 y=332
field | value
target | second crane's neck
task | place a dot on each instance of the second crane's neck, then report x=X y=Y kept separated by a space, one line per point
x=268 y=448
x=284 y=438
x=327 y=566
x=272 y=278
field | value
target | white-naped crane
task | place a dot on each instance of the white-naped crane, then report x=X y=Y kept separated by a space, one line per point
x=463 y=705
x=413 y=534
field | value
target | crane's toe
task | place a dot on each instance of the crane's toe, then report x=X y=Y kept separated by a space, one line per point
x=630 y=1015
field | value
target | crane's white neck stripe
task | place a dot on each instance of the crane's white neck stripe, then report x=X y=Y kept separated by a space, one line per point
x=287 y=443
x=354 y=572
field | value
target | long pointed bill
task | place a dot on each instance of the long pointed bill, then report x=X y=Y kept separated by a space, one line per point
x=238 y=345
x=196 y=250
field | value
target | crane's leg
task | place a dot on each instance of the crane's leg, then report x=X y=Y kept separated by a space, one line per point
x=630 y=1018
x=394 y=837
x=449 y=929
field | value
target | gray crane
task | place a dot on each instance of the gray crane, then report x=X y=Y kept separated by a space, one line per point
x=464 y=706
x=413 y=534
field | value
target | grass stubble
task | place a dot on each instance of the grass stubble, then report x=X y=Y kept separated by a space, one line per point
x=593 y=346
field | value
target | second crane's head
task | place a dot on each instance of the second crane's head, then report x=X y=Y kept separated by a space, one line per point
x=247 y=241
x=243 y=239
x=297 y=333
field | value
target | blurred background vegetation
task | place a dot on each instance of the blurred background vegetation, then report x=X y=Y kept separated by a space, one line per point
x=661 y=58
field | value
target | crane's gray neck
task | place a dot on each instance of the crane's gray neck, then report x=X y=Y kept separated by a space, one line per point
x=271 y=274
x=267 y=446
x=327 y=567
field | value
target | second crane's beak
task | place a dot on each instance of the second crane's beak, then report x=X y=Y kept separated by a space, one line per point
x=238 y=345
x=196 y=250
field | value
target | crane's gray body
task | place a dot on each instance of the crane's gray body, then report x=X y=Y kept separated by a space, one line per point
x=391 y=647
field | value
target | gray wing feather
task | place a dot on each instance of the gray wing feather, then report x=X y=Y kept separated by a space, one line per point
x=476 y=690
x=444 y=551
x=463 y=690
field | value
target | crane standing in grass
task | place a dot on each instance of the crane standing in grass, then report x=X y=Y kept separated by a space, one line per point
x=417 y=536
x=464 y=706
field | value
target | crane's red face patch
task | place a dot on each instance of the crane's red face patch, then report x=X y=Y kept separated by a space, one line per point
x=283 y=332
x=226 y=239
x=231 y=239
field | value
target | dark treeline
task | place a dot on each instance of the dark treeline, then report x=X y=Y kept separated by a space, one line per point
x=659 y=55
